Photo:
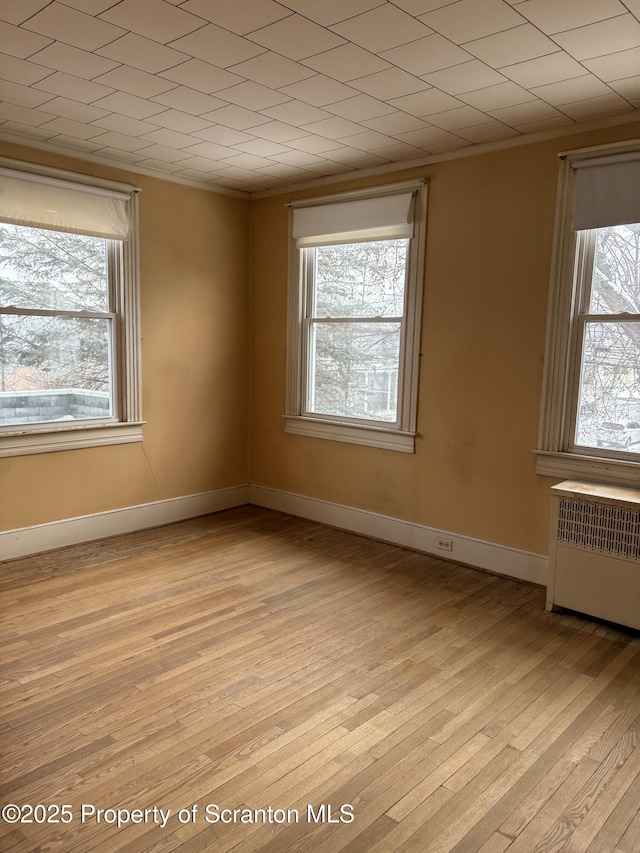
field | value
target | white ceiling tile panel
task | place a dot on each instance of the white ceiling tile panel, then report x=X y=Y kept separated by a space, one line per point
x=118 y=154
x=74 y=110
x=20 y=129
x=22 y=95
x=112 y=139
x=189 y=101
x=361 y=107
x=319 y=91
x=615 y=66
x=516 y=45
x=591 y=107
x=273 y=70
x=333 y=128
x=237 y=117
x=247 y=161
x=425 y=103
x=296 y=113
x=426 y=55
x=253 y=96
x=544 y=69
x=209 y=149
x=129 y=105
x=468 y=19
x=568 y=91
x=299 y=158
x=124 y=124
x=487 y=132
x=382 y=29
x=222 y=135
x=17 y=11
x=21 y=70
x=399 y=151
x=526 y=113
x=496 y=97
x=346 y=63
x=420 y=7
x=135 y=82
x=282 y=169
x=153 y=19
x=142 y=53
x=395 y=123
x=278 y=131
x=239 y=16
x=202 y=76
x=353 y=157
x=552 y=16
x=63 y=139
x=262 y=148
x=629 y=88
x=72 y=27
x=633 y=6
x=213 y=42
x=199 y=175
x=368 y=140
x=169 y=138
x=296 y=37
x=454 y=145
x=24 y=115
x=331 y=11
x=68 y=127
x=460 y=117
x=464 y=77
x=16 y=41
x=91 y=7
x=72 y=60
x=68 y=86
x=162 y=152
x=314 y=144
x=608 y=36
x=177 y=120
x=545 y=124
x=427 y=137
x=160 y=165
x=393 y=83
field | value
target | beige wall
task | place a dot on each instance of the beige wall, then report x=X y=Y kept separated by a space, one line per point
x=489 y=238
x=194 y=300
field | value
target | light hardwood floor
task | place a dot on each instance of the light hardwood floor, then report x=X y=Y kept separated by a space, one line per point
x=253 y=660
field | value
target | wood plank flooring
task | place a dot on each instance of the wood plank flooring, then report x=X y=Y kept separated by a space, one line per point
x=262 y=663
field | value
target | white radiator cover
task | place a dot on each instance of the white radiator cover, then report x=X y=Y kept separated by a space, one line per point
x=594 y=551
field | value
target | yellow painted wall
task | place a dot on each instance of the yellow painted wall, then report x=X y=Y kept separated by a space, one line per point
x=194 y=301
x=489 y=239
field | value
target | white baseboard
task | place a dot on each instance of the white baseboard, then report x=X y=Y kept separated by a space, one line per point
x=56 y=534
x=513 y=562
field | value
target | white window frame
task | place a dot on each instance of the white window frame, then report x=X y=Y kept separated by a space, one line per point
x=125 y=425
x=401 y=436
x=557 y=455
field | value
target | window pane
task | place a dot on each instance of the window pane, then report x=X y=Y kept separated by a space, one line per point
x=52 y=270
x=616 y=271
x=53 y=368
x=361 y=279
x=609 y=398
x=353 y=370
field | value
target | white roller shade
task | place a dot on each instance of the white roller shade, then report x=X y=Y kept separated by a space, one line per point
x=42 y=202
x=607 y=191
x=383 y=218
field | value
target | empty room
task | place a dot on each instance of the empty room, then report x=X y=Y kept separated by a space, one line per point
x=320 y=426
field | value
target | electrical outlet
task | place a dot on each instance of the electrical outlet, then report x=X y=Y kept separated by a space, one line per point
x=444 y=544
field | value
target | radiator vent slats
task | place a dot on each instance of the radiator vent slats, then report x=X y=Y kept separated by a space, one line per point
x=598 y=526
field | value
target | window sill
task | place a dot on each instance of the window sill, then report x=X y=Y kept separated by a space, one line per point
x=371 y=436
x=56 y=439
x=575 y=466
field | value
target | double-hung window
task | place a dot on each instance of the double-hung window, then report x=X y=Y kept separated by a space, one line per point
x=354 y=316
x=69 y=365
x=590 y=425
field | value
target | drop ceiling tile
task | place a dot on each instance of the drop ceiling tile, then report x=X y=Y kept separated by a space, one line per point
x=30 y=132
x=17 y=11
x=19 y=42
x=126 y=125
x=272 y=70
x=545 y=124
x=615 y=66
x=282 y=170
x=395 y=123
x=516 y=45
x=223 y=135
x=360 y=107
x=545 y=69
x=314 y=144
x=21 y=71
x=118 y=154
x=129 y=105
x=72 y=60
x=382 y=29
x=468 y=19
x=495 y=97
x=319 y=90
x=427 y=137
x=400 y=151
x=333 y=128
x=237 y=117
x=331 y=11
x=143 y=54
x=425 y=103
x=426 y=54
x=610 y=36
x=464 y=77
x=24 y=115
x=629 y=88
x=525 y=113
x=111 y=139
x=68 y=86
x=253 y=96
x=346 y=62
x=157 y=21
x=460 y=117
x=210 y=150
x=487 y=132
x=169 y=138
x=160 y=165
x=278 y=131
x=201 y=163
x=553 y=17
x=68 y=127
x=296 y=113
x=213 y=42
x=296 y=37
x=74 y=110
x=368 y=140
x=248 y=161
x=353 y=157
x=202 y=76
x=633 y=6
x=189 y=101
x=240 y=16
x=454 y=145
x=135 y=82
x=164 y=153
x=421 y=7
x=177 y=120
x=568 y=91
x=262 y=148
x=24 y=96
x=91 y=7
x=75 y=142
x=194 y=174
x=393 y=83
x=72 y=27
x=596 y=107
x=298 y=158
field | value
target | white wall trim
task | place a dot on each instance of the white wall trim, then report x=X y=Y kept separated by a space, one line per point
x=501 y=559
x=85 y=528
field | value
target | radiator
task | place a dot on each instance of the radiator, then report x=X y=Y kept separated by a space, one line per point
x=594 y=551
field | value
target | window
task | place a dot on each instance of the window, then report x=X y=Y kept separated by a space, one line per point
x=354 y=311
x=591 y=403
x=69 y=372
